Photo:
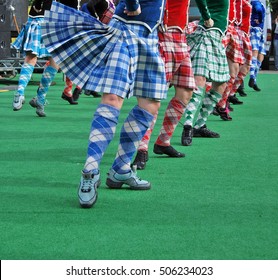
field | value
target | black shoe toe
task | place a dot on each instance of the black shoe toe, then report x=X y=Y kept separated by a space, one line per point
x=69 y=99
x=167 y=150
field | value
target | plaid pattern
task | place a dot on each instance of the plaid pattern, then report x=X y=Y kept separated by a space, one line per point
x=30 y=38
x=193 y=106
x=133 y=130
x=26 y=72
x=247 y=47
x=210 y=100
x=174 y=51
x=234 y=49
x=144 y=143
x=107 y=15
x=112 y=58
x=171 y=119
x=208 y=56
x=102 y=132
x=257 y=39
x=191 y=27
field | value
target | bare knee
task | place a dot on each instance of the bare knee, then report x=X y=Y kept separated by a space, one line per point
x=112 y=100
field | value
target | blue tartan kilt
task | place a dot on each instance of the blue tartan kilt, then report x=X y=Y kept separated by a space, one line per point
x=30 y=39
x=117 y=58
x=257 y=40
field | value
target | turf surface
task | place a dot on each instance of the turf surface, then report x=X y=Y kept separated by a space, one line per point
x=219 y=202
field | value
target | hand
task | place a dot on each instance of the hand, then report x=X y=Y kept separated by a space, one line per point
x=209 y=23
x=134 y=13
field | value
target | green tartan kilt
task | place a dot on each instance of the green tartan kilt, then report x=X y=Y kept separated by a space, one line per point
x=208 y=54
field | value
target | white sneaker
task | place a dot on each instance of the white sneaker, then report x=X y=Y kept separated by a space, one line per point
x=116 y=180
x=87 y=191
x=19 y=100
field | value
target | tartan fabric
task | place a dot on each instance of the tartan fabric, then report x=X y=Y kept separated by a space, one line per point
x=26 y=72
x=257 y=39
x=247 y=47
x=193 y=106
x=144 y=143
x=117 y=58
x=238 y=81
x=30 y=38
x=46 y=80
x=209 y=101
x=208 y=56
x=234 y=49
x=107 y=15
x=175 y=53
x=133 y=130
x=171 y=119
x=103 y=129
x=191 y=27
x=223 y=101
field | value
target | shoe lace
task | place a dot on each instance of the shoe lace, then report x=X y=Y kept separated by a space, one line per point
x=16 y=98
x=86 y=185
x=134 y=173
x=141 y=156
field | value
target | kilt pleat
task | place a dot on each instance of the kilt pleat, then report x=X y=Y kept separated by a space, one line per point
x=110 y=58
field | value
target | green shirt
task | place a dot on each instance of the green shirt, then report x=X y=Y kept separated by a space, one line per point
x=216 y=10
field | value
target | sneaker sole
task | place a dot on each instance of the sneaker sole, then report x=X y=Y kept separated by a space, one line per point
x=18 y=108
x=118 y=185
x=88 y=204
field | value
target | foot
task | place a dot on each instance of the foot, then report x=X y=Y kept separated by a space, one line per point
x=91 y=92
x=256 y=88
x=69 y=99
x=116 y=180
x=141 y=159
x=76 y=93
x=167 y=150
x=223 y=113
x=187 y=135
x=241 y=92
x=234 y=100
x=18 y=102
x=87 y=191
x=251 y=82
x=204 y=132
x=39 y=107
x=228 y=105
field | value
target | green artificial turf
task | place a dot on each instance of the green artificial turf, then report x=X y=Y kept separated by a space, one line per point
x=217 y=203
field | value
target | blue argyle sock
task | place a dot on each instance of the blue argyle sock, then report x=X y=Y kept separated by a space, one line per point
x=26 y=72
x=259 y=64
x=46 y=80
x=132 y=132
x=253 y=68
x=102 y=132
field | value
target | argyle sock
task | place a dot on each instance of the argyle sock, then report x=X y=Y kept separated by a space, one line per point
x=46 y=80
x=253 y=68
x=238 y=81
x=102 y=132
x=144 y=143
x=259 y=64
x=225 y=95
x=210 y=100
x=193 y=106
x=172 y=116
x=26 y=72
x=68 y=87
x=132 y=132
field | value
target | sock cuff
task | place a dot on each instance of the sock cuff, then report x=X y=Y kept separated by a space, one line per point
x=50 y=69
x=108 y=112
x=141 y=115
